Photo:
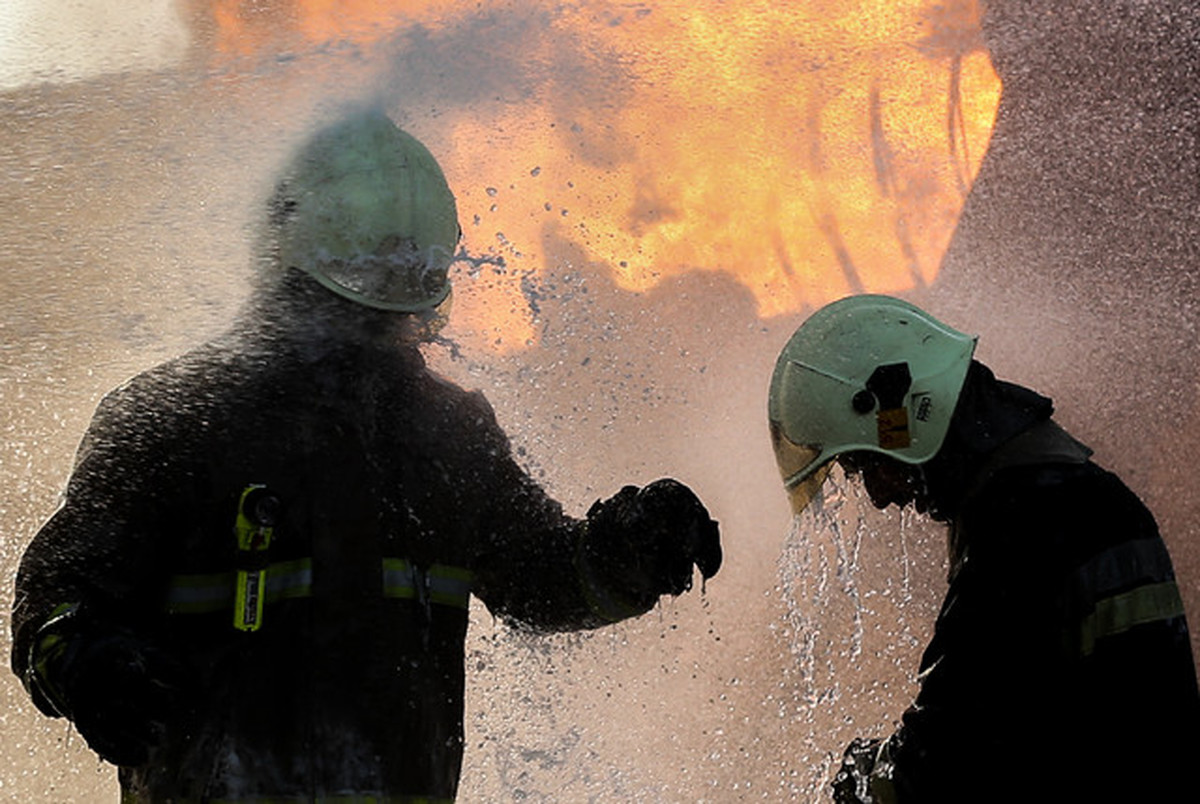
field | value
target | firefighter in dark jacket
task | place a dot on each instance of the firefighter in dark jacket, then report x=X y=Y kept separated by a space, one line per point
x=256 y=586
x=1060 y=667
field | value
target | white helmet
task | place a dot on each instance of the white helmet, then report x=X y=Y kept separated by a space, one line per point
x=869 y=373
x=365 y=210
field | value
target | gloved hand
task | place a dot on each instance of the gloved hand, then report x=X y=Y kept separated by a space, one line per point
x=684 y=534
x=643 y=543
x=122 y=694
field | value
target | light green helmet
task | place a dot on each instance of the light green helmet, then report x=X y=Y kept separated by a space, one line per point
x=365 y=210
x=869 y=373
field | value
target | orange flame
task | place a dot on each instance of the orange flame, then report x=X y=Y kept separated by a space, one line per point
x=809 y=150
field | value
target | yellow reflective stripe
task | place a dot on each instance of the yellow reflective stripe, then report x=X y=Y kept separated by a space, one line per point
x=1119 y=613
x=450 y=586
x=398 y=579
x=1105 y=605
x=289 y=579
x=206 y=593
x=199 y=594
x=444 y=584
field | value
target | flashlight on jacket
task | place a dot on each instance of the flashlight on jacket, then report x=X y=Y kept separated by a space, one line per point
x=257 y=513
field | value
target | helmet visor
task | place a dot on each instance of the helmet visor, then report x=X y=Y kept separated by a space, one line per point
x=399 y=278
x=803 y=492
x=797 y=465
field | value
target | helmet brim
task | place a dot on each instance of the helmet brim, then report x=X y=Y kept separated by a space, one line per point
x=803 y=492
x=803 y=468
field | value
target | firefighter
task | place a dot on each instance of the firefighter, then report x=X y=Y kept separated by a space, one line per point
x=256 y=587
x=1060 y=667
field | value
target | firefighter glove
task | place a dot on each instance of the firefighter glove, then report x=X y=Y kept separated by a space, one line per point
x=645 y=542
x=122 y=694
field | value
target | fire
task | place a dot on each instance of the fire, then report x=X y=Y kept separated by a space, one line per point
x=809 y=150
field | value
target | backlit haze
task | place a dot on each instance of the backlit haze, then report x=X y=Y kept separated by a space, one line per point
x=653 y=195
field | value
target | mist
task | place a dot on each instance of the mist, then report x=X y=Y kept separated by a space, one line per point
x=134 y=173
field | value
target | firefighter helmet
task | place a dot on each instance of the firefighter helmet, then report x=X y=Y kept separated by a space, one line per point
x=867 y=373
x=365 y=210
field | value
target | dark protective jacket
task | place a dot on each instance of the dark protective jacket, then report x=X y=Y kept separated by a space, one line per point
x=397 y=498
x=1060 y=669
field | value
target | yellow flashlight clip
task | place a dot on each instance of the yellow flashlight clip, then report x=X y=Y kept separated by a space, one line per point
x=257 y=513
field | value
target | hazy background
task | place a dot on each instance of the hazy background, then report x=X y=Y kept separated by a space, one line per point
x=653 y=197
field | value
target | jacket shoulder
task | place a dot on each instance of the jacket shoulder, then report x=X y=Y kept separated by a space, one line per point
x=1054 y=512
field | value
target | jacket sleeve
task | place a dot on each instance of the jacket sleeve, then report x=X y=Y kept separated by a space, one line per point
x=532 y=565
x=94 y=563
x=1060 y=654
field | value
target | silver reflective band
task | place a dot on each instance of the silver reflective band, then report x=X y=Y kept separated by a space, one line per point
x=205 y=593
x=445 y=585
x=198 y=594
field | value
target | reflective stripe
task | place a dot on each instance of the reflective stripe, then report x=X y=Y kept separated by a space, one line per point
x=1119 y=613
x=200 y=594
x=1107 y=606
x=445 y=585
x=207 y=593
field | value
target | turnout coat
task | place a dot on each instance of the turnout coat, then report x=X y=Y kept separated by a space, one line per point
x=394 y=497
x=1060 y=668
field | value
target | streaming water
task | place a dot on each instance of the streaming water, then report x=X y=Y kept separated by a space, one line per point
x=862 y=589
